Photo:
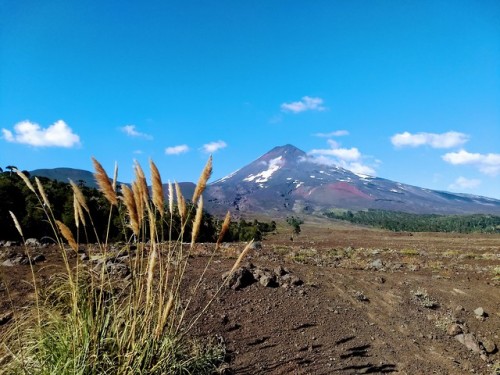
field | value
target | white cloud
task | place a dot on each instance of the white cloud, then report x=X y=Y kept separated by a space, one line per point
x=347 y=158
x=214 y=146
x=462 y=183
x=444 y=140
x=306 y=104
x=348 y=154
x=177 y=150
x=131 y=131
x=488 y=164
x=58 y=134
x=360 y=168
x=336 y=133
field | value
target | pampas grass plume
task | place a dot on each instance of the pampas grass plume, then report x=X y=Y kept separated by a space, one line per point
x=104 y=184
x=42 y=192
x=181 y=203
x=224 y=228
x=197 y=221
x=26 y=180
x=79 y=196
x=128 y=199
x=16 y=223
x=170 y=198
x=158 y=198
x=66 y=233
x=202 y=181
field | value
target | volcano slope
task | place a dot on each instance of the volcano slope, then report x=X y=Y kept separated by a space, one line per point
x=344 y=299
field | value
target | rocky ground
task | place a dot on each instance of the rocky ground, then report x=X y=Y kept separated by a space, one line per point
x=337 y=299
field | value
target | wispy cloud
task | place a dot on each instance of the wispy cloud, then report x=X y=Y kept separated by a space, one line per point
x=463 y=183
x=336 y=133
x=445 y=140
x=488 y=164
x=307 y=103
x=131 y=131
x=177 y=150
x=58 y=134
x=348 y=158
x=214 y=146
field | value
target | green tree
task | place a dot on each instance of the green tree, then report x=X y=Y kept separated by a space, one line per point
x=11 y=168
x=295 y=223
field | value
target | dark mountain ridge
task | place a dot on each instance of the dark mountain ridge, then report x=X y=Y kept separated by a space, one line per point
x=64 y=174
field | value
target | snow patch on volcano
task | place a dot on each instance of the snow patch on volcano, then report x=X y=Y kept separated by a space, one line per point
x=273 y=166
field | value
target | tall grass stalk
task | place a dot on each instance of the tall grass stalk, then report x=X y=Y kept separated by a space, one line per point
x=91 y=322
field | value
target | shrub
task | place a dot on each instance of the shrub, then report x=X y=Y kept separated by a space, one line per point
x=89 y=322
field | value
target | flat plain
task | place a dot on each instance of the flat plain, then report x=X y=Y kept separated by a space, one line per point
x=337 y=299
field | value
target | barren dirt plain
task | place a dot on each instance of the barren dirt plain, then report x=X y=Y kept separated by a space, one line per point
x=338 y=299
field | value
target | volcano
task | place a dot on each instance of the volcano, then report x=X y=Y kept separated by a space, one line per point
x=286 y=179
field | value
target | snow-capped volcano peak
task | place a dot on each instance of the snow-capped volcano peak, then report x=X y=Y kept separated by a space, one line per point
x=286 y=178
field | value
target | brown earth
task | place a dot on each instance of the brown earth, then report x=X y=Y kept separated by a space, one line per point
x=371 y=301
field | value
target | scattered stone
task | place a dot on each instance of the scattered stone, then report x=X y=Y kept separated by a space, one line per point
x=6 y=318
x=413 y=267
x=33 y=242
x=470 y=341
x=16 y=260
x=118 y=269
x=360 y=296
x=377 y=264
x=249 y=274
x=489 y=346
x=256 y=245
x=280 y=271
x=268 y=281
x=291 y=280
x=10 y=243
x=239 y=279
x=380 y=279
x=479 y=311
x=454 y=329
x=38 y=258
x=7 y=263
x=397 y=266
x=480 y=314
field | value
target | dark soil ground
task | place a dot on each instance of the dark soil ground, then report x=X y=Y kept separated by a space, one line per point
x=368 y=301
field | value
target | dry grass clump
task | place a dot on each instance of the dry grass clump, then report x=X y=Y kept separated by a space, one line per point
x=88 y=322
x=423 y=298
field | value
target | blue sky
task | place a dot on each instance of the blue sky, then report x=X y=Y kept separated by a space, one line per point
x=405 y=90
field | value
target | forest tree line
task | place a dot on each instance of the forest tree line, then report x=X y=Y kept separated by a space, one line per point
x=16 y=197
x=406 y=222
